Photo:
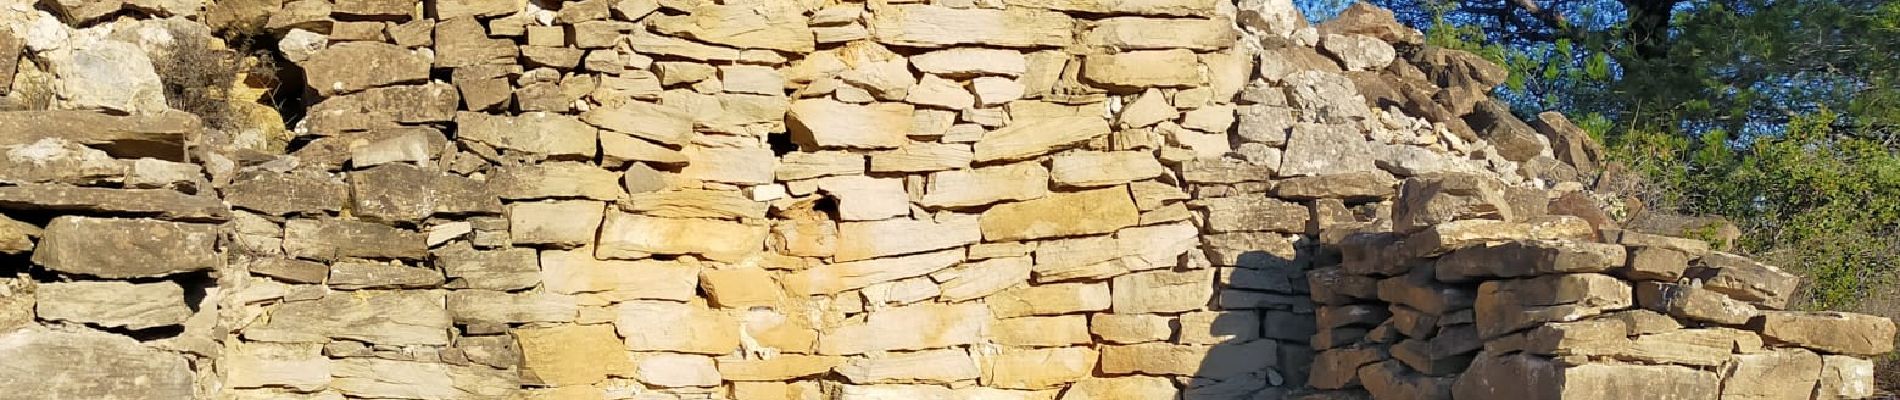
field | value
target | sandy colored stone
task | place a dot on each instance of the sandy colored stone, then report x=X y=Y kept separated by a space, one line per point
x=555 y=179
x=578 y=272
x=986 y=185
x=385 y=107
x=1098 y=257
x=1053 y=299
x=817 y=164
x=1131 y=328
x=571 y=355
x=256 y=364
x=1360 y=185
x=378 y=378
x=913 y=327
x=1454 y=235
x=619 y=148
x=1524 y=258
x=1029 y=139
x=1778 y=374
x=1159 y=34
x=994 y=91
x=1749 y=281
x=1163 y=291
x=966 y=61
x=495 y=307
x=1196 y=8
x=664 y=124
x=1845 y=377
x=162 y=203
x=1080 y=258
x=1834 y=332
x=863 y=198
x=1223 y=361
x=923 y=157
x=1656 y=263
x=113 y=304
x=1032 y=369
x=1509 y=305
x=685 y=328
x=1216 y=327
x=387 y=193
x=1128 y=387
x=826 y=123
x=291 y=270
x=740 y=287
x=977 y=279
x=534 y=132
x=921 y=391
x=859 y=240
x=839 y=277
x=1061 y=214
x=475 y=8
x=783 y=367
x=1102 y=168
x=502 y=269
x=1359 y=52
x=1693 y=302
x=391 y=317
x=752 y=80
x=632 y=236
x=559 y=223
x=1255 y=213
x=729 y=165
x=352 y=66
x=1057 y=331
x=1144 y=69
x=938 y=26
x=66 y=362
x=693 y=203
x=929 y=366
x=677 y=370
x=354 y=274
x=745 y=26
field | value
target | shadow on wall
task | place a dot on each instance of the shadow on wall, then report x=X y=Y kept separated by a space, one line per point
x=1258 y=329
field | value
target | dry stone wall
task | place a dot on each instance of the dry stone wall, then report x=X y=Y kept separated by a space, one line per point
x=765 y=199
x=1495 y=298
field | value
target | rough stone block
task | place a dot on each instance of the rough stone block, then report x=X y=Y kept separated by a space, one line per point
x=571 y=355
x=126 y=248
x=1833 y=332
x=113 y=304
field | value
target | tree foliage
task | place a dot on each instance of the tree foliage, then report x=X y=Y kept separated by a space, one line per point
x=1782 y=115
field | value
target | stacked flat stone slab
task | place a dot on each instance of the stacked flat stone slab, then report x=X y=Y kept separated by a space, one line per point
x=764 y=199
x=1549 y=307
x=92 y=265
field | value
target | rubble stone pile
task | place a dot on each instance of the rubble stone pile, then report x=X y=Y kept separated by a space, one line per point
x=836 y=199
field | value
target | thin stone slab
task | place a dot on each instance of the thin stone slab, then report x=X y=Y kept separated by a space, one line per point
x=160 y=203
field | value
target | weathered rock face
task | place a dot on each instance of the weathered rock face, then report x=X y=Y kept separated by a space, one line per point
x=138 y=371
x=773 y=200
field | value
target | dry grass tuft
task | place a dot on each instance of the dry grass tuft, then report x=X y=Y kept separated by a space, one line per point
x=198 y=76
